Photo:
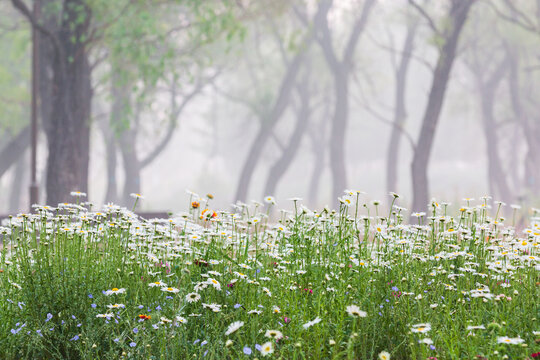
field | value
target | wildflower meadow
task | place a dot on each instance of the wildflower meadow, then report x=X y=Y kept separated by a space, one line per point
x=255 y=282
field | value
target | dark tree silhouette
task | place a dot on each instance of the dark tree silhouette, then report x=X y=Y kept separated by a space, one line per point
x=341 y=66
x=279 y=168
x=68 y=131
x=456 y=17
x=400 y=111
x=269 y=120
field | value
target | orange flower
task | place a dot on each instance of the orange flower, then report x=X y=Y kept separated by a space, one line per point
x=145 y=317
x=208 y=214
x=195 y=204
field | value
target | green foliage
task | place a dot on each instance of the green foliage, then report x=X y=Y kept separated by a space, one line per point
x=14 y=80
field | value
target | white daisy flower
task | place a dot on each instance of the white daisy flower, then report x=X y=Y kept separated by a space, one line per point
x=355 y=311
x=421 y=328
x=157 y=283
x=476 y=327
x=270 y=200
x=267 y=348
x=312 y=322
x=214 y=283
x=170 y=289
x=116 y=306
x=108 y=316
x=234 y=327
x=193 y=297
x=507 y=340
x=180 y=320
x=115 y=291
x=274 y=334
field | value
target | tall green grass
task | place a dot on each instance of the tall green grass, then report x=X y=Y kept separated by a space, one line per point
x=449 y=288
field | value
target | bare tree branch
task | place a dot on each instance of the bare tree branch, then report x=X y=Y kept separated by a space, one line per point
x=358 y=28
x=176 y=110
x=426 y=16
x=237 y=99
x=413 y=56
x=21 y=6
x=525 y=23
x=323 y=36
x=390 y=123
x=300 y=15
x=279 y=41
x=278 y=141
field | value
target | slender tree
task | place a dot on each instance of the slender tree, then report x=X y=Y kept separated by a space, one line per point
x=341 y=66
x=303 y=112
x=488 y=80
x=268 y=118
x=127 y=127
x=449 y=36
x=400 y=110
x=68 y=133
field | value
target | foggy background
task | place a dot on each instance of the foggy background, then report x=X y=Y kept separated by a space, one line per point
x=230 y=77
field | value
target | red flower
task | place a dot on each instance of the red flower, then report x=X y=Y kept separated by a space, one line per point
x=145 y=317
x=200 y=262
x=535 y=355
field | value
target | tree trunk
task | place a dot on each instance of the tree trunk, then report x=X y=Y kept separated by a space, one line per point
x=340 y=66
x=269 y=122
x=282 y=164
x=400 y=112
x=498 y=184
x=318 y=168
x=17 y=185
x=14 y=149
x=447 y=54
x=125 y=133
x=337 y=133
x=318 y=141
x=69 y=134
x=132 y=169
x=109 y=138
x=532 y=164
x=46 y=67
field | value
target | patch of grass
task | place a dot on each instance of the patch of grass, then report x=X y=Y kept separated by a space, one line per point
x=81 y=284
